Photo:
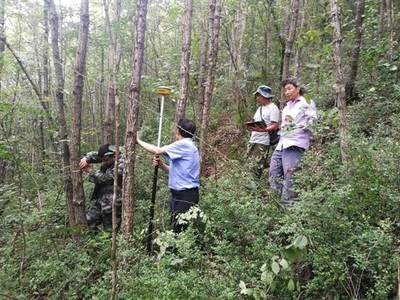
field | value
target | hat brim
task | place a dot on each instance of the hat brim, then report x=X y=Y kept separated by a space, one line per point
x=265 y=95
x=108 y=153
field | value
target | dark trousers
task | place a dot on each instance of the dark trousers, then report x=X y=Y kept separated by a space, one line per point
x=283 y=164
x=181 y=202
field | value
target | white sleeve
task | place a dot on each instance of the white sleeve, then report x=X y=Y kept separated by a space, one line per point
x=274 y=117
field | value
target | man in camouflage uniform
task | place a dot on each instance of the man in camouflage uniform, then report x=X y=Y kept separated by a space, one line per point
x=100 y=211
x=259 y=144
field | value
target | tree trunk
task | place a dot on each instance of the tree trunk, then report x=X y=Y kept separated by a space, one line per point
x=2 y=45
x=213 y=29
x=381 y=24
x=62 y=129
x=185 y=63
x=290 y=37
x=80 y=68
x=202 y=74
x=283 y=35
x=132 y=119
x=350 y=92
x=46 y=80
x=298 y=51
x=234 y=41
x=339 y=88
x=114 y=58
x=390 y=25
x=114 y=261
x=45 y=71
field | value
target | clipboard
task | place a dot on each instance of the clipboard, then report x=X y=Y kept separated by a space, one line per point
x=259 y=124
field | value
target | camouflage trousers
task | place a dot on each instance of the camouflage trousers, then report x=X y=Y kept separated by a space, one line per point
x=100 y=212
x=258 y=157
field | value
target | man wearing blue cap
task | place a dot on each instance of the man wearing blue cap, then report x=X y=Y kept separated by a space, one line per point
x=260 y=140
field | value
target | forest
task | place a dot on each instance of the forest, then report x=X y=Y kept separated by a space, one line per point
x=75 y=75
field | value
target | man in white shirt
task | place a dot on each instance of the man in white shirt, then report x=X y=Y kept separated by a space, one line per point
x=259 y=144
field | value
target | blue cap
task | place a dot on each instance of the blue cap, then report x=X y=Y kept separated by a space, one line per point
x=264 y=91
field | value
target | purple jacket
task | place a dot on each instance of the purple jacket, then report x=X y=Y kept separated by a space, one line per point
x=297 y=115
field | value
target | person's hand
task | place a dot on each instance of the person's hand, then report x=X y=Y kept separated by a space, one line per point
x=83 y=163
x=156 y=160
x=258 y=129
x=88 y=168
x=138 y=135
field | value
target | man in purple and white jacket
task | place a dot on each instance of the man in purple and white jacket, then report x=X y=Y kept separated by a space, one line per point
x=295 y=136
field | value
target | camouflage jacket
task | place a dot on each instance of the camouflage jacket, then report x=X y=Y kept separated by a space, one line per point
x=104 y=177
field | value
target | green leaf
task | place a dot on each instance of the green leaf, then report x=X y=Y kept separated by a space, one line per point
x=242 y=285
x=244 y=290
x=284 y=264
x=291 y=254
x=291 y=285
x=300 y=242
x=263 y=267
x=269 y=278
x=275 y=267
x=256 y=294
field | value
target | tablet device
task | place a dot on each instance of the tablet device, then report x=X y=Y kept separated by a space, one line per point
x=260 y=124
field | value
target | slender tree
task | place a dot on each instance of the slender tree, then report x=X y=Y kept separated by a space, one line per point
x=45 y=57
x=185 y=62
x=234 y=36
x=390 y=26
x=114 y=59
x=34 y=86
x=132 y=118
x=381 y=23
x=80 y=68
x=202 y=72
x=59 y=99
x=213 y=46
x=339 y=87
x=114 y=261
x=290 y=29
x=298 y=50
x=2 y=38
x=355 y=53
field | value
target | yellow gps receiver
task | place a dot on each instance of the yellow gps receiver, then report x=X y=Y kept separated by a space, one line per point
x=164 y=91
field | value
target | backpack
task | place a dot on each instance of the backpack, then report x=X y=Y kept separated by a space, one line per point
x=273 y=135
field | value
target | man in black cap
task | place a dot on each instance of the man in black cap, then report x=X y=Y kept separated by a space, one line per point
x=260 y=140
x=100 y=211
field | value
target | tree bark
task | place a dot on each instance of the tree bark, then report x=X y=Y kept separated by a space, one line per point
x=185 y=63
x=290 y=37
x=298 y=51
x=339 y=88
x=80 y=67
x=2 y=45
x=202 y=74
x=381 y=24
x=62 y=129
x=234 y=41
x=114 y=261
x=114 y=59
x=46 y=78
x=390 y=25
x=350 y=92
x=132 y=119
x=213 y=29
